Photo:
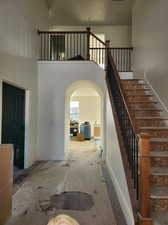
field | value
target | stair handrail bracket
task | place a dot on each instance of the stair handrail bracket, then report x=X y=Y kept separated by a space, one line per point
x=135 y=147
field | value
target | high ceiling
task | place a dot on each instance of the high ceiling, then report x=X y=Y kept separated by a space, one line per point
x=90 y=12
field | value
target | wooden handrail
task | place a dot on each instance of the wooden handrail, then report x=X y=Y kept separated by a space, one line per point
x=113 y=48
x=63 y=32
x=82 y=44
x=116 y=74
x=123 y=155
x=98 y=39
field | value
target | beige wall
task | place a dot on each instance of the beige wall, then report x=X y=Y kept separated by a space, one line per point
x=150 y=42
x=89 y=109
x=19 y=22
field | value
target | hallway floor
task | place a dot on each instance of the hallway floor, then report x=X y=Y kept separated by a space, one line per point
x=45 y=191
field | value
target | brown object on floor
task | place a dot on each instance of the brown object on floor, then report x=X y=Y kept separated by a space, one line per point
x=96 y=131
x=80 y=137
x=63 y=220
x=6 y=182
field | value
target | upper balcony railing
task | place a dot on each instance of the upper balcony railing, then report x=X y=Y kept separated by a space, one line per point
x=81 y=45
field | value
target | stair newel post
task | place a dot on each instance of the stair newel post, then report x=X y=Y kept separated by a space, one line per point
x=144 y=180
x=106 y=53
x=88 y=42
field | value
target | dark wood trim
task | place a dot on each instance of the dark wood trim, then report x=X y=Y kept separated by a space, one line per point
x=88 y=42
x=62 y=32
x=113 y=48
x=122 y=91
x=97 y=38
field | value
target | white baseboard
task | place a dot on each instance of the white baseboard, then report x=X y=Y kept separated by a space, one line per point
x=123 y=202
x=156 y=94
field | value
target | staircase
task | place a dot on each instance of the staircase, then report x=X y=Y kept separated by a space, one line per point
x=140 y=121
x=148 y=117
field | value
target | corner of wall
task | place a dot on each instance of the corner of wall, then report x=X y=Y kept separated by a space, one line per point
x=121 y=197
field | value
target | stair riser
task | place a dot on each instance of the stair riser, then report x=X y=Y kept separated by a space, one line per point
x=143 y=91
x=145 y=113
x=157 y=146
x=152 y=123
x=156 y=133
x=159 y=205
x=134 y=86
x=139 y=98
x=159 y=180
x=142 y=105
x=159 y=162
x=132 y=82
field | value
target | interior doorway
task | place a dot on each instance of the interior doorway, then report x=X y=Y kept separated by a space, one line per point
x=13 y=121
x=85 y=120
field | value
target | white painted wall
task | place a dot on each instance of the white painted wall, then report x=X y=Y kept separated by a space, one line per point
x=120 y=36
x=19 y=21
x=115 y=165
x=57 y=82
x=55 y=78
x=150 y=32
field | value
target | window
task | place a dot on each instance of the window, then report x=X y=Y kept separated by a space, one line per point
x=74 y=110
x=57 y=47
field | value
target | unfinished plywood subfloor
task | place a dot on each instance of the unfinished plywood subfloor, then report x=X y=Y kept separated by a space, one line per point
x=80 y=173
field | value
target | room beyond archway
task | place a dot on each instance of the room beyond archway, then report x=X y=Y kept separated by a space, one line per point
x=85 y=120
x=84 y=117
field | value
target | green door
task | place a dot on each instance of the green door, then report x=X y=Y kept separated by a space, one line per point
x=13 y=121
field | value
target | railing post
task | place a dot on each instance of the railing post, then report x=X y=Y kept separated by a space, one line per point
x=107 y=43
x=106 y=54
x=145 y=168
x=88 y=42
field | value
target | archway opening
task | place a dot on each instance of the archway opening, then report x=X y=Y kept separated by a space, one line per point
x=84 y=118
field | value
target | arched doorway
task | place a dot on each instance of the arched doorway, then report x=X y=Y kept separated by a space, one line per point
x=88 y=95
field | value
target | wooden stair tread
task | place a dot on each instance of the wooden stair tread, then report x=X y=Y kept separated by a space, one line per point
x=159 y=140
x=137 y=84
x=159 y=154
x=143 y=95
x=133 y=84
x=147 y=109
x=159 y=171
x=138 y=89
x=142 y=101
x=159 y=192
x=153 y=128
x=134 y=79
x=151 y=118
x=160 y=218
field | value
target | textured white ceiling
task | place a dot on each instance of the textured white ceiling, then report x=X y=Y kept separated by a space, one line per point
x=90 y=12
